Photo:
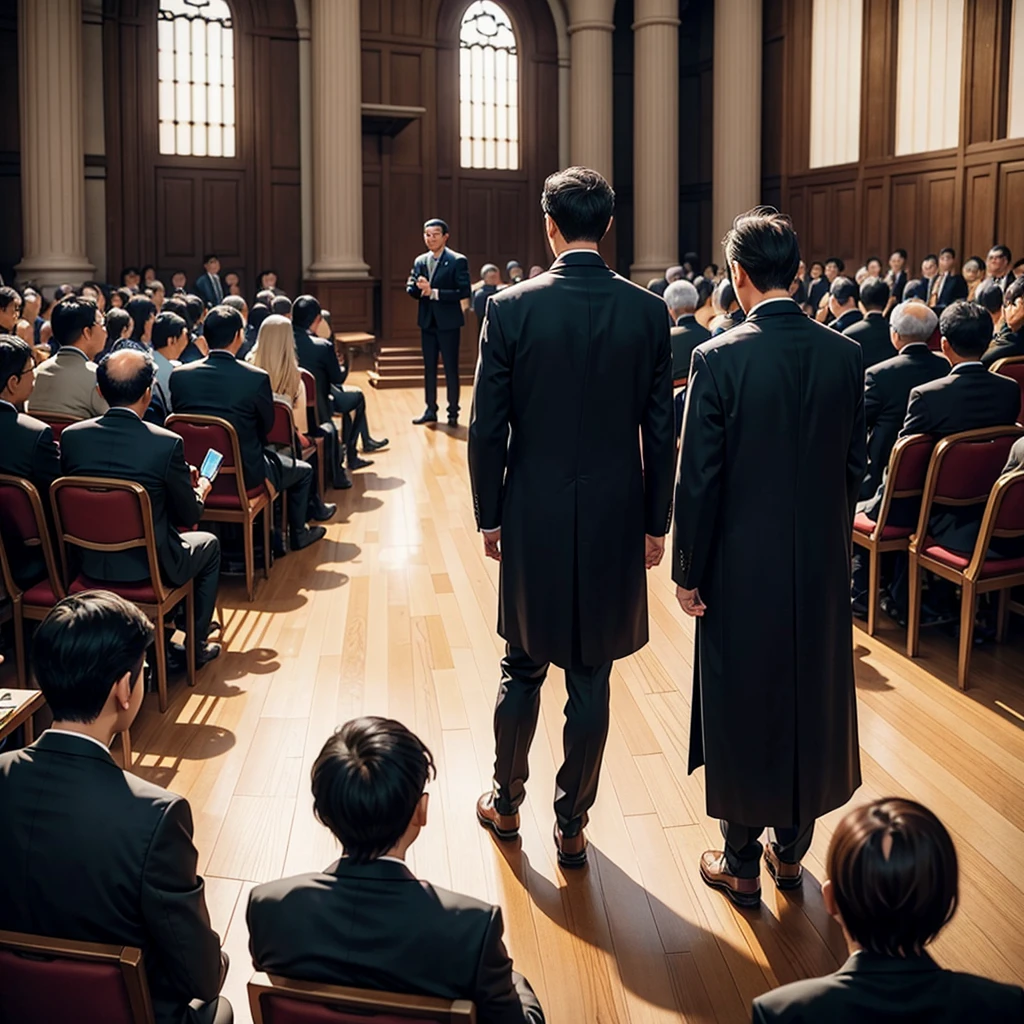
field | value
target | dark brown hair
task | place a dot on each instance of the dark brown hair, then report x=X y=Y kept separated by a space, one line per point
x=763 y=242
x=894 y=872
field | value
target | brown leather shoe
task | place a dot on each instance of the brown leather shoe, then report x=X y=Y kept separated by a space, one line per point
x=744 y=892
x=572 y=850
x=504 y=826
x=787 y=876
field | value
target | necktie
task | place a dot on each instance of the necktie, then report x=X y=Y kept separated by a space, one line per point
x=431 y=266
x=936 y=289
x=217 y=290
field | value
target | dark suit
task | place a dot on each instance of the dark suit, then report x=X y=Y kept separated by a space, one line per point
x=685 y=337
x=317 y=355
x=872 y=334
x=1004 y=344
x=375 y=925
x=96 y=854
x=480 y=297
x=887 y=990
x=848 y=319
x=240 y=393
x=816 y=289
x=734 y=319
x=896 y=283
x=210 y=289
x=440 y=321
x=948 y=289
x=916 y=289
x=573 y=365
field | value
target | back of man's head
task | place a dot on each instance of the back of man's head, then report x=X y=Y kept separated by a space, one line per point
x=86 y=644
x=893 y=873
x=844 y=291
x=580 y=202
x=1013 y=293
x=990 y=298
x=305 y=310
x=874 y=294
x=266 y=296
x=140 y=309
x=764 y=244
x=913 y=321
x=674 y=273
x=196 y=309
x=236 y=302
x=367 y=783
x=967 y=327
x=281 y=305
x=14 y=357
x=70 y=317
x=124 y=376
x=221 y=326
x=725 y=295
x=167 y=328
x=681 y=297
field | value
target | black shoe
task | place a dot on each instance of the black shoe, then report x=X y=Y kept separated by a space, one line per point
x=893 y=610
x=276 y=545
x=178 y=653
x=309 y=535
x=375 y=446
x=453 y=421
x=427 y=417
x=354 y=462
x=859 y=609
x=321 y=512
x=205 y=653
x=341 y=481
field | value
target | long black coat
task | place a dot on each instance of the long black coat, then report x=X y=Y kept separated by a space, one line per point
x=573 y=384
x=771 y=461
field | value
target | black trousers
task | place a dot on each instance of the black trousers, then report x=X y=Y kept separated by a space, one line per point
x=350 y=400
x=583 y=737
x=295 y=477
x=203 y=569
x=743 y=850
x=447 y=343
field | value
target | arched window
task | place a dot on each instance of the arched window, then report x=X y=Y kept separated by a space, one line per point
x=488 y=88
x=196 y=69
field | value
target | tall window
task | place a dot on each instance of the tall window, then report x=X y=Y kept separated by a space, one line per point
x=1015 y=120
x=196 y=69
x=488 y=88
x=837 y=29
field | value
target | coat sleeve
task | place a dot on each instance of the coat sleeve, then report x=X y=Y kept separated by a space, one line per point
x=264 y=409
x=917 y=420
x=857 y=454
x=873 y=401
x=184 y=945
x=658 y=437
x=45 y=459
x=698 y=482
x=462 y=283
x=411 y=287
x=489 y=422
x=335 y=374
x=183 y=505
x=501 y=995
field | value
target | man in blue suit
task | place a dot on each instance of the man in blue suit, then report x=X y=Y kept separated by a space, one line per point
x=439 y=281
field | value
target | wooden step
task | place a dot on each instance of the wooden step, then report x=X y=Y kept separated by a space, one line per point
x=412 y=380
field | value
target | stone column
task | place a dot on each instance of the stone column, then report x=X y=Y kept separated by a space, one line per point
x=52 y=149
x=337 y=142
x=655 y=138
x=736 y=131
x=590 y=96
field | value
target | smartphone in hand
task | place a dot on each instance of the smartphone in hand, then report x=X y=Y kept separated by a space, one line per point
x=211 y=465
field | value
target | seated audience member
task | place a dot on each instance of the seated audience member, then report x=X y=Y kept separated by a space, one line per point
x=221 y=385
x=817 y=286
x=148 y=273
x=1009 y=338
x=112 y=859
x=948 y=285
x=834 y=266
x=275 y=354
x=998 y=271
x=179 y=279
x=916 y=289
x=681 y=299
x=169 y=339
x=491 y=278
x=514 y=271
x=896 y=278
x=973 y=272
x=535 y=271
x=893 y=885
x=157 y=294
x=267 y=295
x=929 y=273
x=209 y=286
x=727 y=309
x=118 y=323
x=673 y=273
x=10 y=311
x=237 y=302
x=94 y=290
x=873 y=265
x=842 y=304
x=705 y=307
x=66 y=382
x=872 y=332
x=366 y=920
x=232 y=283
x=143 y=312
x=257 y=315
x=861 y=276
x=122 y=446
x=130 y=278
x=268 y=281
x=31 y=303
x=281 y=305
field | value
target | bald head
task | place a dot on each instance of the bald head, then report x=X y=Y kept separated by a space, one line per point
x=124 y=378
x=912 y=322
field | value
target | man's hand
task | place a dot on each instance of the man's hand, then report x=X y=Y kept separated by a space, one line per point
x=492 y=543
x=193 y=475
x=203 y=488
x=655 y=550
x=690 y=602
x=1014 y=316
x=423 y=284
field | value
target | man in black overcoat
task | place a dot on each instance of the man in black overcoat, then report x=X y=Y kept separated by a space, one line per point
x=872 y=333
x=570 y=455
x=771 y=460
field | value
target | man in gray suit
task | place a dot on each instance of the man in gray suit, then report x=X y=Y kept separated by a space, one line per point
x=66 y=382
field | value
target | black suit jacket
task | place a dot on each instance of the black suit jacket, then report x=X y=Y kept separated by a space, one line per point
x=238 y=392
x=96 y=854
x=815 y=290
x=480 y=297
x=887 y=387
x=954 y=287
x=451 y=279
x=916 y=289
x=119 y=445
x=319 y=357
x=685 y=337
x=848 y=319
x=872 y=334
x=581 y=355
x=896 y=282
x=886 y=990
x=377 y=925
x=1004 y=344
x=207 y=290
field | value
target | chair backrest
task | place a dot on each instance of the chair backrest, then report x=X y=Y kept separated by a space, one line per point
x=964 y=467
x=277 y=1000
x=104 y=515
x=908 y=466
x=44 y=980
x=1012 y=367
x=23 y=523
x=56 y=421
x=283 y=431
x=201 y=433
x=309 y=384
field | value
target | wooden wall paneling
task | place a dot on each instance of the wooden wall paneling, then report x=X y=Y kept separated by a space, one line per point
x=903 y=220
x=796 y=208
x=696 y=48
x=845 y=235
x=370 y=12
x=1010 y=208
x=798 y=99
x=980 y=209
x=819 y=221
x=938 y=218
x=875 y=220
x=878 y=78
x=986 y=62
x=10 y=143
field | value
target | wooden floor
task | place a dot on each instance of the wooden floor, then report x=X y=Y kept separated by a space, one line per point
x=394 y=614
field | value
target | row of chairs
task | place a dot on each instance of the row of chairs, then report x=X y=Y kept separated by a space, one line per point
x=43 y=980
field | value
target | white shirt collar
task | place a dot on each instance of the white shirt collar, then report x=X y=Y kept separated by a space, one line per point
x=394 y=860
x=82 y=736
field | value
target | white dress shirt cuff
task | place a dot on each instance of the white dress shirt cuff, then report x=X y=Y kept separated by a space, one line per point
x=433 y=293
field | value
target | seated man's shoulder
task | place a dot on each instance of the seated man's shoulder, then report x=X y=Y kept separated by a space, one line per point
x=27 y=422
x=995 y=996
x=808 y=999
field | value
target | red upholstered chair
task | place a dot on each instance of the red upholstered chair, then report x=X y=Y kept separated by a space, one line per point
x=964 y=471
x=23 y=523
x=908 y=464
x=228 y=501
x=115 y=515
x=56 y=421
x=1013 y=367
x=309 y=384
x=277 y=1000
x=45 y=981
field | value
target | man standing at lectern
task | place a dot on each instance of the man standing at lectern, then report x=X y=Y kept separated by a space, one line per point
x=439 y=281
